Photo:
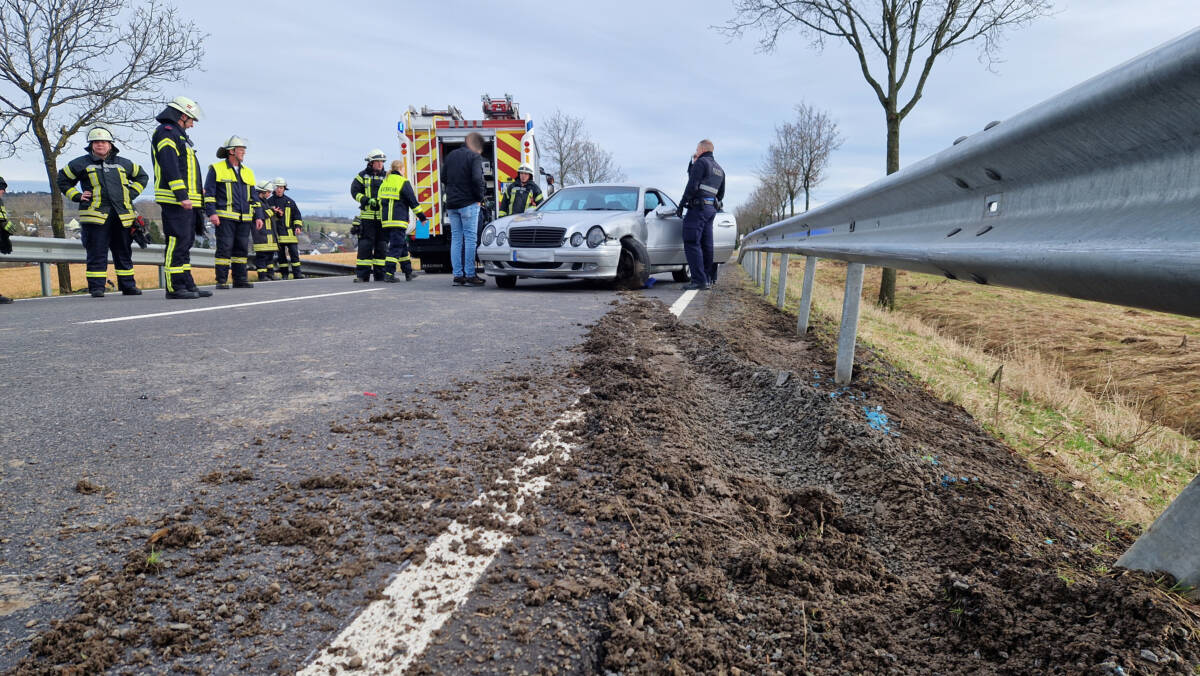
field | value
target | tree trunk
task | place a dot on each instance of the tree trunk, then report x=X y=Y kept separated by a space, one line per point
x=887 y=282
x=56 y=220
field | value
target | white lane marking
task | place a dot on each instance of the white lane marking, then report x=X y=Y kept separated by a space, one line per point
x=223 y=307
x=392 y=632
x=680 y=305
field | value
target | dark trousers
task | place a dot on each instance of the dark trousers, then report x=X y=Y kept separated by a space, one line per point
x=179 y=227
x=289 y=250
x=372 y=249
x=98 y=240
x=264 y=263
x=233 y=239
x=698 y=243
x=397 y=253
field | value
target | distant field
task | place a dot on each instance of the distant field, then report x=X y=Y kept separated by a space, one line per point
x=25 y=282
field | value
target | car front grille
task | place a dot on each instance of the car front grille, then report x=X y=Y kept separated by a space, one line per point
x=536 y=237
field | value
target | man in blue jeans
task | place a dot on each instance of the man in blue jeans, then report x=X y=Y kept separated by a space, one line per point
x=462 y=180
x=702 y=197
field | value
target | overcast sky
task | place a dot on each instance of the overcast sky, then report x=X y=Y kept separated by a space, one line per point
x=314 y=85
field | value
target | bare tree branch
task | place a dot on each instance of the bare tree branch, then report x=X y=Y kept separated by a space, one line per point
x=570 y=155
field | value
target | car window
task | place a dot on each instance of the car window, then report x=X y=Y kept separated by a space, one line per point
x=651 y=201
x=666 y=199
x=599 y=198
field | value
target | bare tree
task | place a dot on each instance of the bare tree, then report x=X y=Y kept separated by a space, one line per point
x=816 y=137
x=70 y=64
x=896 y=43
x=596 y=165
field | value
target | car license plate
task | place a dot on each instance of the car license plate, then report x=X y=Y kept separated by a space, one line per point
x=533 y=256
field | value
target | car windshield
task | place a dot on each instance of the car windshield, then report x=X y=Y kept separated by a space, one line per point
x=599 y=198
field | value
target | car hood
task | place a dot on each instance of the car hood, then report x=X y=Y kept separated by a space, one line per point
x=563 y=219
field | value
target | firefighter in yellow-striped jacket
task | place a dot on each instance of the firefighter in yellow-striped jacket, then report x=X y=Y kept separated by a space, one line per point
x=372 y=244
x=105 y=185
x=177 y=190
x=232 y=207
x=6 y=229
x=287 y=229
x=396 y=197
x=264 y=237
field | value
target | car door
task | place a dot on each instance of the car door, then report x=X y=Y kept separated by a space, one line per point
x=664 y=230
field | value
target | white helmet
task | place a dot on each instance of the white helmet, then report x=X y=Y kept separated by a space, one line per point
x=525 y=169
x=265 y=186
x=280 y=182
x=187 y=106
x=376 y=155
x=234 y=141
x=99 y=134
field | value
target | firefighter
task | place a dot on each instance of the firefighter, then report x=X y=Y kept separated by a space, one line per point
x=287 y=229
x=372 y=245
x=521 y=194
x=6 y=229
x=396 y=197
x=232 y=208
x=264 y=237
x=702 y=197
x=177 y=191
x=109 y=185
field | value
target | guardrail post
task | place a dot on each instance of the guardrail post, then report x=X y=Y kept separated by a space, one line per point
x=848 y=334
x=162 y=277
x=1172 y=542
x=810 y=271
x=757 y=271
x=781 y=294
x=767 y=275
x=44 y=269
x=762 y=265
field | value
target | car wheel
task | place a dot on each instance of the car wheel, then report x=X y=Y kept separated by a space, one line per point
x=505 y=281
x=631 y=268
x=681 y=275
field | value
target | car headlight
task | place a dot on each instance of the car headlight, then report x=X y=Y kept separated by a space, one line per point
x=595 y=236
x=489 y=235
x=577 y=239
x=501 y=238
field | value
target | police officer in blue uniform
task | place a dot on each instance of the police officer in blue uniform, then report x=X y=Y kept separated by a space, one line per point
x=702 y=197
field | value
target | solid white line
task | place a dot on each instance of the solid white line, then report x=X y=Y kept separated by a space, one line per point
x=392 y=632
x=680 y=305
x=223 y=307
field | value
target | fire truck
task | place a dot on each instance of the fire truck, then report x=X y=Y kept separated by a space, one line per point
x=428 y=135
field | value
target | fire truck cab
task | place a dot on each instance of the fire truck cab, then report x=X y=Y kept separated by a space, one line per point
x=428 y=135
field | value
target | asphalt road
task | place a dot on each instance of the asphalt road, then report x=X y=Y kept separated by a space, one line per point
x=134 y=398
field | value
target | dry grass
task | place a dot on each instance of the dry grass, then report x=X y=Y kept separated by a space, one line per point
x=1110 y=442
x=26 y=281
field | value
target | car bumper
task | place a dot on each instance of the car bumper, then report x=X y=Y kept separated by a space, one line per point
x=565 y=263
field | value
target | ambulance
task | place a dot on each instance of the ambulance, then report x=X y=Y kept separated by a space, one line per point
x=427 y=136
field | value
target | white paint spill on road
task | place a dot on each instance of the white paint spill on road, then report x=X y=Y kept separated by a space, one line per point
x=680 y=305
x=224 y=307
x=392 y=632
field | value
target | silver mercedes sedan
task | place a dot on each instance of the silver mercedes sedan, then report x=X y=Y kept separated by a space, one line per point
x=622 y=233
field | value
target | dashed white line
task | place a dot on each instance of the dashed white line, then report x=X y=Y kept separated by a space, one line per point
x=392 y=632
x=223 y=307
x=681 y=304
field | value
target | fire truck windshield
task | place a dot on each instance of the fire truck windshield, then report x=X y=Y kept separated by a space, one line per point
x=593 y=198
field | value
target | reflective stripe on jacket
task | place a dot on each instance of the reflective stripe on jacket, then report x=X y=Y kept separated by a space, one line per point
x=287 y=224
x=396 y=197
x=113 y=181
x=229 y=192
x=176 y=169
x=364 y=188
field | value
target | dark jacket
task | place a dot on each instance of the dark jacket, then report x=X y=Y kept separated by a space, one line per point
x=113 y=181
x=287 y=224
x=706 y=180
x=176 y=169
x=520 y=196
x=462 y=178
x=364 y=188
x=229 y=192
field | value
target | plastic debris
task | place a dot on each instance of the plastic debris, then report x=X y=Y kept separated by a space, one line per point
x=370 y=394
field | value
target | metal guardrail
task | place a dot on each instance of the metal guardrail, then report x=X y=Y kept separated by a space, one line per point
x=1093 y=194
x=48 y=250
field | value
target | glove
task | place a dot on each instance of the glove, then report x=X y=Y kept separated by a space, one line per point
x=199 y=224
x=5 y=242
x=679 y=212
x=139 y=236
x=355 y=229
x=363 y=201
x=420 y=215
x=374 y=203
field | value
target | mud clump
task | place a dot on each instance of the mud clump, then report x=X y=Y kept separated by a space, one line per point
x=336 y=481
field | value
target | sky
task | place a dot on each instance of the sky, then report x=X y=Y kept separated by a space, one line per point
x=315 y=85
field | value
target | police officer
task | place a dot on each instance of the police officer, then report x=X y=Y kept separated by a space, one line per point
x=6 y=229
x=287 y=229
x=108 y=185
x=702 y=197
x=232 y=207
x=396 y=197
x=521 y=194
x=372 y=244
x=177 y=191
x=264 y=237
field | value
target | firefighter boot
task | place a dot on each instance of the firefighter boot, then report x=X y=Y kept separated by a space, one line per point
x=190 y=285
x=389 y=278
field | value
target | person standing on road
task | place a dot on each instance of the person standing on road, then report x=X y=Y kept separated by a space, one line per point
x=264 y=237
x=372 y=244
x=177 y=191
x=232 y=208
x=521 y=194
x=462 y=179
x=109 y=185
x=6 y=230
x=702 y=197
x=287 y=229
x=396 y=197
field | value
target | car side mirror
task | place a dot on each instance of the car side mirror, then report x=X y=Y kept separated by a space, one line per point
x=664 y=211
